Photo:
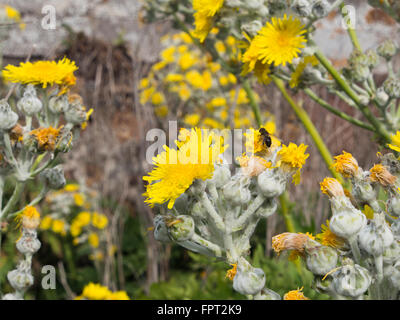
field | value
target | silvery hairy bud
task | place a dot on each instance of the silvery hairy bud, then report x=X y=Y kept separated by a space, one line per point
x=387 y=49
x=232 y=3
x=320 y=8
x=392 y=87
x=346 y=221
x=54 y=177
x=363 y=190
x=391 y=253
x=395 y=227
x=64 y=143
x=221 y=175
x=29 y=103
x=181 y=204
x=28 y=243
x=253 y=4
x=271 y=184
x=359 y=65
x=394 y=276
x=12 y=296
x=252 y=27
x=394 y=206
x=197 y=188
x=320 y=259
x=267 y=209
x=181 y=229
x=160 y=229
x=376 y=236
x=302 y=8
x=248 y=280
x=267 y=294
x=8 y=118
x=381 y=96
x=236 y=192
x=76 y=113
x=58 y=104
x=351 y=280
x=21 y=278
x=372 y=58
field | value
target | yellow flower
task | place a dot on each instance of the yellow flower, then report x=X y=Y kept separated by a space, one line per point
x=42 y=73
x=293 y=155
x=381 y=174
x=231 y=273
x=212 y=123
x=46 y=137
x=45 y=224
x=93 y=240
x=161 y=111
x=290 y=241
x=332 y=188
x=157 y=98
x=295 y=295
x=29 y=218
x=255 y=143
x=395 y=142
x=71 y=187
x=58 y=226
x=176 y=170
x=94 y=291
x=79 y=199
x=99 y=220
x=167 y=55
x=83 y=218
x=369 y=213
x=205 y=10
x=187 y=61
x=192 y=119
x=328 y=238
x=174 y=77
x=278 y=42
x=118 y=295
x=346 y=164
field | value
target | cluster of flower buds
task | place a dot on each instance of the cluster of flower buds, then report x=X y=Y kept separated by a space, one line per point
x=28 y=244
x=213 y=211
x=190 y=83
x=357 y=254
x=74 y=210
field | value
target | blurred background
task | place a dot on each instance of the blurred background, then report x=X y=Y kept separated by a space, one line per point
x=113 y=51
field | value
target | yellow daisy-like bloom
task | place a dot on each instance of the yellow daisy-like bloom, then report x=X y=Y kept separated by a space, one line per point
x=46 y=137
x=278 y=42
x=99 y=220
x=295 y=295
x=29 y=218
x=176 y=170
x=58 y=226
x=255 y=143
x=71 y=187
x=93 y=240
x=231 y=273
x=205 y=11
x=42 y=73
x=380 y=174
x=346 y=164
x=293 y=155
x=46 y=222
x=95 y=291
x=118 y=295
x=395 y=145
x=328 y=238
x=332 y=188
x=79 y=199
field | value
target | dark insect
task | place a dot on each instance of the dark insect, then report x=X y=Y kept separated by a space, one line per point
x=266 y=137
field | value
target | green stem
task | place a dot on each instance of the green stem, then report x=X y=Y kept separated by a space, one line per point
x=347 y=89
x=309 y=126
x=19 y=187
x=336 y=112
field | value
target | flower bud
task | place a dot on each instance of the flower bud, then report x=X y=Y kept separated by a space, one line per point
x=221 y=175
x=351 y=280
x=271 y=185
x=54 y=177
x=346 y=221
x=8 y=118
x=376 y=236
x=267 y=294
x=197 y=188
x=392 y=87
x=19 y=279
x=302 y=8
x=76 y=113
x=248 y=280
x=320 y=259
x=64 y=144
x=160 y=229
x=372 y=58
x=236 y=193
x=381 y=96
x=387 y=49
x=12 y=296
x=29 y=103
x=58 y=104
x=321 y=8
x=394 y=276
x=181 y=229
x=394 y=206
x=391 y=253
x=363 y=191
x=267 y=209
x=28 y=243
x=252 y=27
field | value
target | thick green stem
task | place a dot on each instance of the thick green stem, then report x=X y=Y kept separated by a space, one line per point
x=309 y=126
x=353 y=95
x=338 y=113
